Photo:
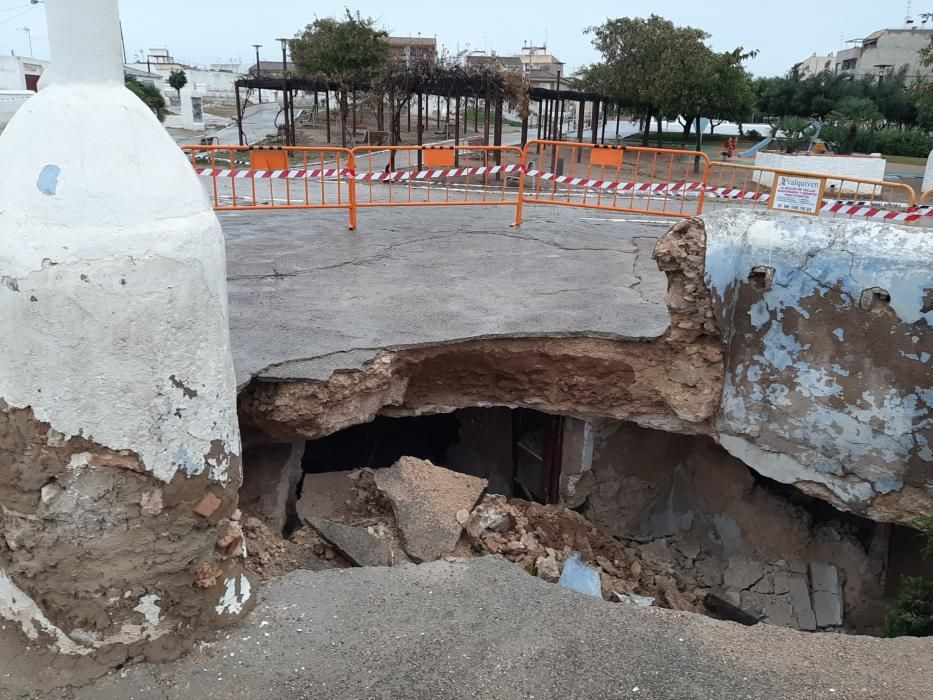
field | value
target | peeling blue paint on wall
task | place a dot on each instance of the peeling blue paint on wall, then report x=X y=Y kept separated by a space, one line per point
x=47 y=183
x=802 y=379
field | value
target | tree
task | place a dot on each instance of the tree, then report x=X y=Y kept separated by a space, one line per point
x=854 y=112
x=148 y=94
x=659 y=70
x=641 y=58
x=177 y=80
x=348 y=52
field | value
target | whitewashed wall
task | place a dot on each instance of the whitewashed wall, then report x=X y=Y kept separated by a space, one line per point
x=863 y=167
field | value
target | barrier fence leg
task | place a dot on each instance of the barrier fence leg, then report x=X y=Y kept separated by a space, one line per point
x=706 y=173
x=519 y=205
x=351 y=190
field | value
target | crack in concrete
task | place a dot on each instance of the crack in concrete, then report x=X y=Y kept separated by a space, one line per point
x=381 y=255
x=385 y=253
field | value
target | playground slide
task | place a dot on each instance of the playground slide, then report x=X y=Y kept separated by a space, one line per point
x=757 y=147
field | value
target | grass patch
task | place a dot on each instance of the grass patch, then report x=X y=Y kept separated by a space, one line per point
x=905 y=160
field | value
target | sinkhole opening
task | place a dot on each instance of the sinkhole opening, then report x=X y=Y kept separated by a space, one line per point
x=657 y=518
x=516 y=450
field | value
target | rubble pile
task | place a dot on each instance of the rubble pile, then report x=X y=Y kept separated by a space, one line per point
x=416 y=511
x=269 y=555
x=540 y=538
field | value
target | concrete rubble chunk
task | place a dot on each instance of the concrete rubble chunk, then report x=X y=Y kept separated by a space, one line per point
x=355 y=543
x=548 y=568
x=635 y=600
x=426 y=499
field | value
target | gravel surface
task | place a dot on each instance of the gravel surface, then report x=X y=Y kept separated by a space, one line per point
x=485 y=629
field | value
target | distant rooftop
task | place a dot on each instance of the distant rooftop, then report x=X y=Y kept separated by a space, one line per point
x=412 y=41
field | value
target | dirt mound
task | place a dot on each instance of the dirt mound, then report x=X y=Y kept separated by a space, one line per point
x=539 y=538
x=270 y=555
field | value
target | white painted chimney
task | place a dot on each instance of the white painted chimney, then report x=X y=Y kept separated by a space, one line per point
x=115 y=345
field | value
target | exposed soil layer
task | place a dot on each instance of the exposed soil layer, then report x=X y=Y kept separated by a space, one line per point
x=674 y=381
x=121 y=563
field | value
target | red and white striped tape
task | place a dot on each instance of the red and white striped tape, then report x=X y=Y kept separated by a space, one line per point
x=616 y=186
x=294 y=174
x=836 y=207
x=404 y=175
x=847 y=208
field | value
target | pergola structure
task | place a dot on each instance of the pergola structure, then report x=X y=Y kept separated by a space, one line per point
x=551 y=106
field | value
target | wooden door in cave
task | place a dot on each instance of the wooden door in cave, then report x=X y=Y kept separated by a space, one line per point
x=538 y=441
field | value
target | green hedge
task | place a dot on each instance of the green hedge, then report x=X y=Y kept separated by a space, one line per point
x=895 y=143
x=890 y=142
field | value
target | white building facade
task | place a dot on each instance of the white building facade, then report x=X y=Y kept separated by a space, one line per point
x=18 y=73
x=884 y=50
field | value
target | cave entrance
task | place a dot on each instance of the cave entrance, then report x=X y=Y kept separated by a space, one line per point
x=518 y=451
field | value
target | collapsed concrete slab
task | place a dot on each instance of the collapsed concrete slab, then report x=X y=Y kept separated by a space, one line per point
x=427 y=500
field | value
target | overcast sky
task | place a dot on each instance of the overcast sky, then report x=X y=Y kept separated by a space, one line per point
x=211 y=31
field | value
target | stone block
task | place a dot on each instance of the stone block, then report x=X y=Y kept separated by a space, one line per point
x=828 y=609
x=743 y=572
x=799 y=593
x=806 y=621
x=824 y=577
x=271 y=473
x=325 y=496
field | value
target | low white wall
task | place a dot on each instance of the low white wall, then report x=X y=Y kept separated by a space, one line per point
x=863 y=167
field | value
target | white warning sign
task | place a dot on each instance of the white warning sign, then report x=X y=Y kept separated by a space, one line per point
x=803 y=195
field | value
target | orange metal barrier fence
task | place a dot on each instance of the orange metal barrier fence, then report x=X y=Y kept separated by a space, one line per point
x=651 y=181
x=410 y=176
x=272 y=177
x=655 y=181
x=838 y=196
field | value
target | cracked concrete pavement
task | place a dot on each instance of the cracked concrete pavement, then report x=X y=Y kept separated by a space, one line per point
x=483 y=628
x=308 y=297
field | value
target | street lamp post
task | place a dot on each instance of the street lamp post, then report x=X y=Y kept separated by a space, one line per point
x=257 y=47
x=286 y=96
x=29 y=39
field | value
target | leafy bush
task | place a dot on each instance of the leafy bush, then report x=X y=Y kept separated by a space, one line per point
x=889 y=142
x=753 y=134
x=912 y=614
x=148 y=94
x=894 y=143
x=791 y=133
